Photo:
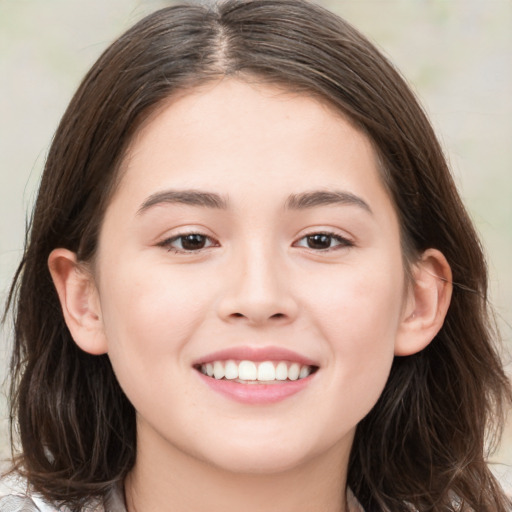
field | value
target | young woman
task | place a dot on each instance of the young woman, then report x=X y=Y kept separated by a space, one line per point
x=251 y=284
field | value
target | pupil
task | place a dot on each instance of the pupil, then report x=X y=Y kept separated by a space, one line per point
x=191 y=242
x=319 y=241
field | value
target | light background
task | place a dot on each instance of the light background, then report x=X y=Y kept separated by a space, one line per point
x=457 y=55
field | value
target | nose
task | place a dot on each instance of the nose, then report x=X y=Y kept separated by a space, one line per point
x=258 y=291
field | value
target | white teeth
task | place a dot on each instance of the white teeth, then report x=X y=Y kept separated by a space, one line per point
x=281 y=371
x=218 y=370
x=293 y=371
x=304 y=372
x=247 y=371
x=231 y=370
x=266 y=371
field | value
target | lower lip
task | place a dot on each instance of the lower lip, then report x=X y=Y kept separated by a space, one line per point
x=256 y=393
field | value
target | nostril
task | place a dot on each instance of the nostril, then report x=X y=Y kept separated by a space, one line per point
x=275 y=316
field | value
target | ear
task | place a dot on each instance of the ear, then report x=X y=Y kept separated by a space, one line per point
x=426 y=304
x=79 y=301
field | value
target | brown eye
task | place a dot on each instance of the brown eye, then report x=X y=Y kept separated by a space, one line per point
x=323 y=242
x=188 y=243
x=193 y=242
x=319 y=241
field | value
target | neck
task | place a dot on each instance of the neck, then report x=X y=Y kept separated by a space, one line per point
x=170 y=480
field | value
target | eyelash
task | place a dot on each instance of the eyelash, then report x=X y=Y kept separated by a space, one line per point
x=342 y=242
x=167 y=243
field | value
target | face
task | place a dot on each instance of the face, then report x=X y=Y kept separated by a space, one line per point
x=250 y=279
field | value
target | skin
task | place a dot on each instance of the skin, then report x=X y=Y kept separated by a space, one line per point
x=156 y=309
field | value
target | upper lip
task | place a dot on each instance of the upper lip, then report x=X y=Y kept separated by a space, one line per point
x=256 y=354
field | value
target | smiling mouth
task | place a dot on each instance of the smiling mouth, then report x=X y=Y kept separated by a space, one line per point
x=251 y=372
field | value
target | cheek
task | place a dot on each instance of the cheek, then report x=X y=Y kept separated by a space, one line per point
x=149 y=315
x=150 y=312
x=359 y=315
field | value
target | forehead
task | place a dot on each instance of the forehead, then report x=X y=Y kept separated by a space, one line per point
x=245 y=133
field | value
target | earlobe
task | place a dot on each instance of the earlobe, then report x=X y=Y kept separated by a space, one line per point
x=427 y=303
x=79 y=301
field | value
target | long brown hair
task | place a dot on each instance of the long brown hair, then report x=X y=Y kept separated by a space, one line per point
x=423 y=445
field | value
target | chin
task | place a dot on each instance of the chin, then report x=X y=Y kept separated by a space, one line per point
x=268 y=454
x=257 y=463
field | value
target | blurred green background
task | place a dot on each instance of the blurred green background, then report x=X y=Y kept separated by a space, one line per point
x=457 y=55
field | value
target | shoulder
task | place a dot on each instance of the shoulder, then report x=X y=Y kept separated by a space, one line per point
x=353 y=504
x=17 y=496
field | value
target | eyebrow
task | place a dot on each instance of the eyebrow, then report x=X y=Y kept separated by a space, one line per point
x=316 y=198
x=187 y=197
x=302 y=201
